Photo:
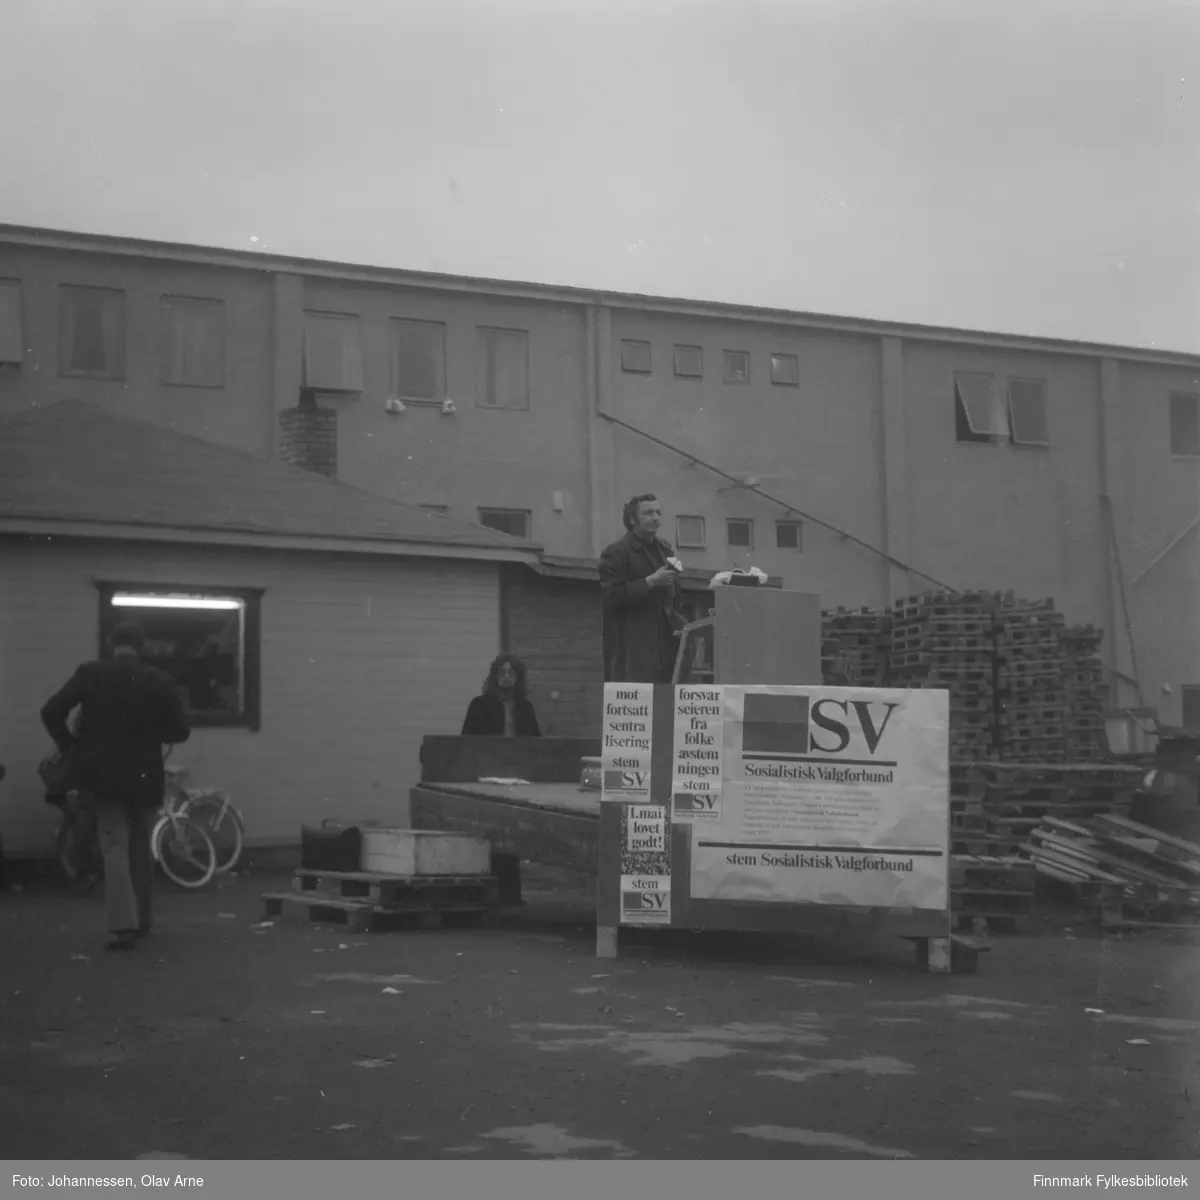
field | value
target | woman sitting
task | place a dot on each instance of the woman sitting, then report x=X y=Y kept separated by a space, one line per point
x=503 y=710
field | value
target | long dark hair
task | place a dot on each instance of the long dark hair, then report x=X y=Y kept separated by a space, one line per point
x=491 y=685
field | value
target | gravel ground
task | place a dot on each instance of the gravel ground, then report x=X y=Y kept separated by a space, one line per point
x=218 y=1039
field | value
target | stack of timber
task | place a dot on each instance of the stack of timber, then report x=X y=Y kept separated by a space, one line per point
x=1030 y=681
x=1086 y=692
x=1127 y=876
x=373 y=878
x=943 y=640
x=990 y=892
x=855 y=645
x=995 y=806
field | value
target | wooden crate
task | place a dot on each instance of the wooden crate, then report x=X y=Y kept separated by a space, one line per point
x=415 y=852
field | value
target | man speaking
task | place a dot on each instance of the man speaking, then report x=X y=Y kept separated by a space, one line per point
x=642 y=617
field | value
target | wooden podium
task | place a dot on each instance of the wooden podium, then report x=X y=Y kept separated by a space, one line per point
x=759 y=635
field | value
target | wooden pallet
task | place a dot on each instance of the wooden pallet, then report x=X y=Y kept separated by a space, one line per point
x=402 y=893
x=363 y=901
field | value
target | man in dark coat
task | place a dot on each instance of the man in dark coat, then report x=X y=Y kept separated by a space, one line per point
x=128 y=711
x=642 y=615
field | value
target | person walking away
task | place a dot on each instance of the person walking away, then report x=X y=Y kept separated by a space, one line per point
x=642 y=617
x=503 y=709
x=128 y=711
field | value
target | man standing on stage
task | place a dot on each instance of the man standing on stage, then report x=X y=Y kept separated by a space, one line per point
x=642 y=615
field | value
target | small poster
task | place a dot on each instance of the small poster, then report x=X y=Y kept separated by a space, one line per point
x=627 y=741
x=646 y=829
x=696 y=773
x=645 y=899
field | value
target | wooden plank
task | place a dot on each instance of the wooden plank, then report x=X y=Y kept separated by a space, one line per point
x=1188 y=851
x=456 y=759
x=515 y=825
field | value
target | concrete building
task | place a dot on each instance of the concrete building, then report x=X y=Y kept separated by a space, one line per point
x=859 y=459
x=317 y=633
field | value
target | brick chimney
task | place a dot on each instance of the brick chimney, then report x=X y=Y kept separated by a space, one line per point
x=308 y=436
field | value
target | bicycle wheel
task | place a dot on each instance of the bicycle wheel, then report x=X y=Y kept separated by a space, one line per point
x=222 y=822
x=184 y=851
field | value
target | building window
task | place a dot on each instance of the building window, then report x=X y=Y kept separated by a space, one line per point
x=737 y=366
x=1027 y=412
x=789 y=535
x=1189 y=695
x=979 y=415
x=12 y=335
x=332 y=352
x=740 y=533
x=193 y=342
x=505 y=368
x=91 y=332
x=689 y=362
x=689 y=533
x=206 y=640
x=635 y=357
x=1185 y=424
x=418 y=361
x=785 y=370
x=513 y=521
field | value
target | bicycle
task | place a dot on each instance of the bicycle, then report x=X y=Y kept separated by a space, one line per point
x=179 y=843
x=215 y=812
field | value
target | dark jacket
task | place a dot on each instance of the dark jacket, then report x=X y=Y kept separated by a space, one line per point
x=485 y=717
x=128 y=711
x=639 y=621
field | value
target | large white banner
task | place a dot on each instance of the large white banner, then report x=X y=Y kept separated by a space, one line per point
x=827 y=795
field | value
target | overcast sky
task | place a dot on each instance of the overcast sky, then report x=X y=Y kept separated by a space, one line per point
x=1028 y=166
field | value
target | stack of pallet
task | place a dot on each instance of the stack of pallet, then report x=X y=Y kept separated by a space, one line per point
x=1126 y=875
x=1086 y=692
x=941 y=640
x=989 y=892
x=856 y=644
x=1031 y=681
x=995 y=806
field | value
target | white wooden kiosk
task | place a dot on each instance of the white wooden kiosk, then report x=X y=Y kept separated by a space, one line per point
x=703 y=855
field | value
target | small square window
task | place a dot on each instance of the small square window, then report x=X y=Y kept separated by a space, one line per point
x=635 y=357
x=689 y=533
x=1185 y=424
x=193 y=342
x=740 y=533
x=1027 y=412
x=689 y=362
x=418 y=361
x=12 y=337
x=788 y=535
x=785 y=370
x=333 y=359
x=513 y=521
x=207 y=641
x=505 y=368
x=978 y=414
x=737 y=366
x=91 y=332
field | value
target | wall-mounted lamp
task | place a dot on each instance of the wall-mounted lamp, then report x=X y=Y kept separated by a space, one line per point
x=448 y=408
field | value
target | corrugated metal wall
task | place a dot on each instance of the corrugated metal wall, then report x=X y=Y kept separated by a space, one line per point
x=360 y=659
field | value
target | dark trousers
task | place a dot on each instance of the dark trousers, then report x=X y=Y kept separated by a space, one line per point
x=124 y=834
